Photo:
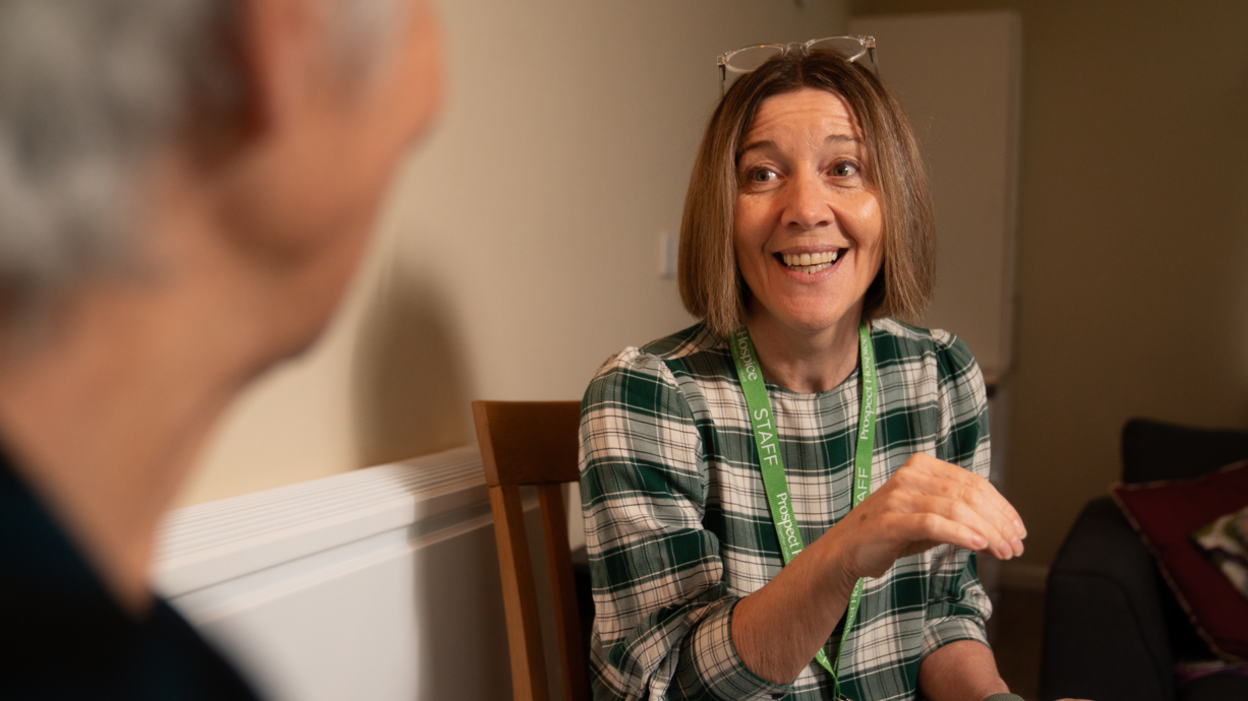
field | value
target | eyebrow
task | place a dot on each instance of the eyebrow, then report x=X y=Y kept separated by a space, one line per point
x=830 y=139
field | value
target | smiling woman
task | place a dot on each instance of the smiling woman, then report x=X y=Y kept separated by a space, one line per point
x=760 y=537
x=888 y=164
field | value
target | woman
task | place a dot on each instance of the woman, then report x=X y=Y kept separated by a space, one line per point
x=807 y=227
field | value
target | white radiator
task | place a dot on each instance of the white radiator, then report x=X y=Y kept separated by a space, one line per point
x=377 y=584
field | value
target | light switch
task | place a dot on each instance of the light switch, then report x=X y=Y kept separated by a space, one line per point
x=669 y=245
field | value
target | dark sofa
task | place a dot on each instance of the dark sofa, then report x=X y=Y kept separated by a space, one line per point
x=1113 y=630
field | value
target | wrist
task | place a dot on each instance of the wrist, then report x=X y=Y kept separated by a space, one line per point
x=839 y=572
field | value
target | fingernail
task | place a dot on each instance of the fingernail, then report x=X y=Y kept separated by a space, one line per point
x=979 y=542
x=1018 y=546
x=1018 y=523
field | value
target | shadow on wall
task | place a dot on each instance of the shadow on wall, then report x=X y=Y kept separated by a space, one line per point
x=411 y=390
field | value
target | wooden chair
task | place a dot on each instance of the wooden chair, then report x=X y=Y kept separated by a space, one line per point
x=534 y=443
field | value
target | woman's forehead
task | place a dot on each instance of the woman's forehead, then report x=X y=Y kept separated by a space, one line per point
x=810 y=111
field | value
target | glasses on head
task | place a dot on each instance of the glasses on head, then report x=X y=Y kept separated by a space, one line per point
x=852 y=48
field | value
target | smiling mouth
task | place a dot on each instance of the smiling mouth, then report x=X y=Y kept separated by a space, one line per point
x=810 y=263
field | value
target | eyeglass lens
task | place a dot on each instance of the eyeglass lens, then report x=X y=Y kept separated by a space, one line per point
x=746 y=60
x=850 y=48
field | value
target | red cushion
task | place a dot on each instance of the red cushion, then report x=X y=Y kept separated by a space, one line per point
x=1165 y=514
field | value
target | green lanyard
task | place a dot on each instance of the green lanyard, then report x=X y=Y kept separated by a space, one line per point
x=772 y=465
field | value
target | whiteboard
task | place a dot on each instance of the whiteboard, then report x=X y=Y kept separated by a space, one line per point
x=958 y=77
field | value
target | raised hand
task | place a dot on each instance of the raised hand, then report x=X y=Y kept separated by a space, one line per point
x=778 y=628
x=925 y=503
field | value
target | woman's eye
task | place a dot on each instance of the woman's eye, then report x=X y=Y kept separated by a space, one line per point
x=763 y=175
x=844 y=170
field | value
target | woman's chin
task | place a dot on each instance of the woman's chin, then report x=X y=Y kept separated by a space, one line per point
x=809 y=323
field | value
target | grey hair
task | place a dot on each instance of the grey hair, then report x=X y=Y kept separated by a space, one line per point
x=90 y=89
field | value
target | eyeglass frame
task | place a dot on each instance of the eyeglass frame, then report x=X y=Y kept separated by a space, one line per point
x=865 y=40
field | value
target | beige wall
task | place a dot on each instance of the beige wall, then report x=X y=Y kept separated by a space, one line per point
x=1132 y=239
x=519 y=249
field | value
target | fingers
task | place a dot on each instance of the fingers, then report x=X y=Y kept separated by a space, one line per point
x=873 y=543
x=925 y=484
x=995 y=540
x=982 y=497
x=929 y=529
x=941 y=519
x=925 y=503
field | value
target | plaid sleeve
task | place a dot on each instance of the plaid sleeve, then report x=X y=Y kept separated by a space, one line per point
x=957 y=605
x=662 y=626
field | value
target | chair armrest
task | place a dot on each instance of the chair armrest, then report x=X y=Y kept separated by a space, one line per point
x=1105 y=633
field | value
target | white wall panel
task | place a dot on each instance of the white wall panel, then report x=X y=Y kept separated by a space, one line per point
x=378 y=584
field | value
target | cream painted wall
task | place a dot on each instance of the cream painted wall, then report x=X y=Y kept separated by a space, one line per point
x=519 y=248
x=1133 y=235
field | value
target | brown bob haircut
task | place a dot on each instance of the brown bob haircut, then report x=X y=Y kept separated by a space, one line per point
x=711 y=285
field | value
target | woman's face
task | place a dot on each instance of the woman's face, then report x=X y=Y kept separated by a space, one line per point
x=809 y=230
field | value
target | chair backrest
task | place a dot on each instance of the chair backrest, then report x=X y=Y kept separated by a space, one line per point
x=1154 y=451
x=534 y=443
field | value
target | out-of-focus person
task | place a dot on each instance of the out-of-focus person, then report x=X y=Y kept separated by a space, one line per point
x=785 y=500
x=185 y=190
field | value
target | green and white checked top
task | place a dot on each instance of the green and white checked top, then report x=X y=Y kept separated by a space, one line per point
x=678 y=529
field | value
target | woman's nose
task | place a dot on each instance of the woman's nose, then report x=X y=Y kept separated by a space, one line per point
x=807 y=206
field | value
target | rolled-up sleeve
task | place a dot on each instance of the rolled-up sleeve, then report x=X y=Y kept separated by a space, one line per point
x=957 y=606
x=662 y=626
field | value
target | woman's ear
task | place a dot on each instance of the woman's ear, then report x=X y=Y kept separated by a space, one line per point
x=278 y=40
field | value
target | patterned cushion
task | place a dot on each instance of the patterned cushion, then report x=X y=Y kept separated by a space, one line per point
x=1225 y=542
x=1166 y=514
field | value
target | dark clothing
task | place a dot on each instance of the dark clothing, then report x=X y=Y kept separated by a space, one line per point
x=63 y=636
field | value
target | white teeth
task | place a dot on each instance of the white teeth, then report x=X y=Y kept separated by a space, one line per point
x=810 y=262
